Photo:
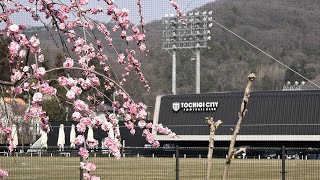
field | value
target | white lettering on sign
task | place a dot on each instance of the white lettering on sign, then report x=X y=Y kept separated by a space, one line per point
x=195 y=106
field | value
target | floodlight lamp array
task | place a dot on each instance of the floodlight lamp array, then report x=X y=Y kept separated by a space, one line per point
x=296 y=86
x=190 y=31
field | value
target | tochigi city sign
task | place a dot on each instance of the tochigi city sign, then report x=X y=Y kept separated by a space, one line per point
x=195 y=106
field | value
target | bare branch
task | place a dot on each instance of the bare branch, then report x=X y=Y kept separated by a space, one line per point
x=240 y=150
x=6 y=83
x=213 y=127
x=241 y=115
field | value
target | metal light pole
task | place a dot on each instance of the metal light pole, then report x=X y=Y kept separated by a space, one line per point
x=174 y=72
x=197 y=52
x=187 y=32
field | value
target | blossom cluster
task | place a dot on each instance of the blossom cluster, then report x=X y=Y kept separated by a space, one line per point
x=3 y=173
x=176 y=6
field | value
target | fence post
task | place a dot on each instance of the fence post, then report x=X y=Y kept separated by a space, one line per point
x=177 y=163
x=81 y=170
x=283 y=172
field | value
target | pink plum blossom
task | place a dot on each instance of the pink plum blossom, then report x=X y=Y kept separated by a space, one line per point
x=14 y=28
x=7 y=130
x=127 y=117
x=155 y=144
x=25 y=68
x=98 y=120
x=83 y=152
x=26 y=87
x=143 y=113
x=111 y=9
x=34 y=41
x=62 y=26
x=142 y=124
x=22 y=53
x=132 y=131
x=117 y=155
x=3 y=173
x=85 y=121
x=41 y=58
x=11 y=146
x=109 y=141
x=37 y=97
x=121 y=59
x=129 y=124
x=142 y=47
x=115 y=27
x=135 y=29
x=71 y=33
x=13 y=48
x=17 y=90
x=63 y=81
x=140 y=37
x=80 y=105
x=129 y=38
x=123 y=33
x=68 y=62
x=71 y=95
x=106 y=126
x=172 y=135
x=81 y=127
x=71 y=81
x=175 y=5
x=45 y=88
x=85 y=84
x=76 y=115
x=95 y=178
x=86 y=176
x=83 y=2
x=149 y=125
x=148 y=135
x=121 y=110
x=39 y=72
x=89 y=166
x=113 y=148
x=76 y=89
x=79 y=140
x=16 y=76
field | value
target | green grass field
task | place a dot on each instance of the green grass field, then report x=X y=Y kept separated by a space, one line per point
x=43 y=168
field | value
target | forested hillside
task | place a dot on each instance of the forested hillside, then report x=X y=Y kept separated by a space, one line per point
x=289 y=30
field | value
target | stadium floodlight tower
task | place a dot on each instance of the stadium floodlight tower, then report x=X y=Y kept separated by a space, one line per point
x=187 y=32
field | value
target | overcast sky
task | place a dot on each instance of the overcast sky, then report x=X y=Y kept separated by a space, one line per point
x=152 y=10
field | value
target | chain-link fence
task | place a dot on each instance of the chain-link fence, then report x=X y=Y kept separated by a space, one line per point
x=164 y=163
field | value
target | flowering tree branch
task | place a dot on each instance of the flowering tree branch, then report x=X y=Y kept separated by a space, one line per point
x=85 y=90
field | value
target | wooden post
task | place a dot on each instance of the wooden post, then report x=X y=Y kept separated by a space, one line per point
x=81 y=170
x=177 y=163
x=213 y=126
x=241 y=115
x=283 y=163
